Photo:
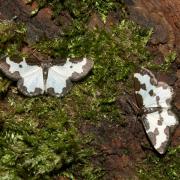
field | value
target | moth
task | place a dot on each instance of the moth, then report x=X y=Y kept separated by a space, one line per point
x=55 y=80
x=154 y=100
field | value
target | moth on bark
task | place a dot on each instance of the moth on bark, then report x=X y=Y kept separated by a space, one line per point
x=55 y=80
x=154 y=100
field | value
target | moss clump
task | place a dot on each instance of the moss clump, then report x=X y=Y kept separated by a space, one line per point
x=11 y=37
x=39 y=141
x=125 y=40
x=168 y=60
x=4 y=84
x=167 y=167
x=80 y=10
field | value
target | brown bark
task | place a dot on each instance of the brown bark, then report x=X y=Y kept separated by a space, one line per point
x=164 y=17
x=38 y=27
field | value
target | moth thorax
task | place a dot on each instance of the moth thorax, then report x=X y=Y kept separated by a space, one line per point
x=151 y=109
x=45 y=68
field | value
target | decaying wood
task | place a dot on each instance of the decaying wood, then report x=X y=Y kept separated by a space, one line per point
x=38 y=27
x=164 y=17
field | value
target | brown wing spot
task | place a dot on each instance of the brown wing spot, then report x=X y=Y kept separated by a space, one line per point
x=166 y=131
x=153 y=81
x=137 y=84
x=151 y=93
x=152 y=136
x=156 y=132
x=157 y=100
x=163 y=146
x=160 y=121
x=143 y=86
x=139 y=100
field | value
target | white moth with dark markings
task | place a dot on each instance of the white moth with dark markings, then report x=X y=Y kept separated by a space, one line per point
x=54 y=80
x=154 y=99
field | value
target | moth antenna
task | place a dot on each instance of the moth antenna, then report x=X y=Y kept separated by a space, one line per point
x=136 y=111
x=134 y=107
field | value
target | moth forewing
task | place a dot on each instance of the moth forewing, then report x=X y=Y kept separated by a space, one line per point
x=82 y=69
x=60 y=76
x=6 y=67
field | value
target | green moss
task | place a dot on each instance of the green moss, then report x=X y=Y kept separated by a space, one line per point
x=167 y=167
x=168 y=60
x=80 y=10
x=11 y=37
x=38 y=140
x=4 y=84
